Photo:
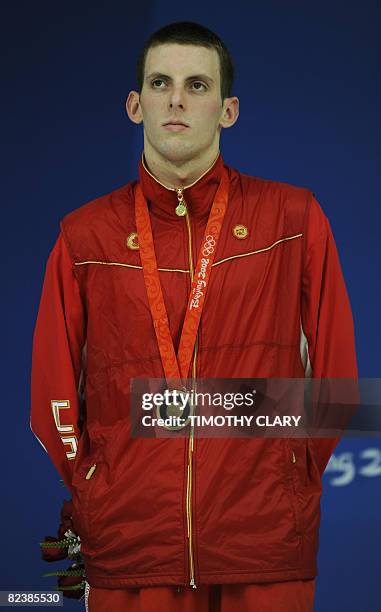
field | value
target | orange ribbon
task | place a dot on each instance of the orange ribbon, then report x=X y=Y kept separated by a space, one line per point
x=178 y=366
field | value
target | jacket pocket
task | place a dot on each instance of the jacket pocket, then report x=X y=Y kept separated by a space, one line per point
x=296 y=473
x=84 y=486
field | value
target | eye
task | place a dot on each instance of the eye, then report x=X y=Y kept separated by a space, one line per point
x=156 y=83
x=198 y=86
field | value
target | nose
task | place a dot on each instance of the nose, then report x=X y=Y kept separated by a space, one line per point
x=176 y=99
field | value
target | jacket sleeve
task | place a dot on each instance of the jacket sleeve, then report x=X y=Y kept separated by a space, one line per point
x=58 y=341
x=326 y=314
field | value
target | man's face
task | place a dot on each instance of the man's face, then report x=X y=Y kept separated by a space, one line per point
x=181 y=84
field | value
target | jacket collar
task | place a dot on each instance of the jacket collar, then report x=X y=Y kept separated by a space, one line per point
x=198 y=195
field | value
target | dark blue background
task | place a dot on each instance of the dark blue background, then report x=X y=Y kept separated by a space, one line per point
x=308 y=80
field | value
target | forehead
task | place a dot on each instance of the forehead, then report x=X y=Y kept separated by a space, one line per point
x=182 y=60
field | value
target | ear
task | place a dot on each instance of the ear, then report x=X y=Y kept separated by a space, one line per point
x=230 y=112
x=133 y=107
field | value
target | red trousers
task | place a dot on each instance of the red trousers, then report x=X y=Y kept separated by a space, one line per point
x=294 y=596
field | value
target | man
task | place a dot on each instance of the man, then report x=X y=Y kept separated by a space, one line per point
x=188 y=523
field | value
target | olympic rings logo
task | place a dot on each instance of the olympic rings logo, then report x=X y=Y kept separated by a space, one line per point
x=208 y=246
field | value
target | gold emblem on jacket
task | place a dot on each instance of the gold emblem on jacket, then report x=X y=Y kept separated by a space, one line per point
x=240 y=231
x=132 y=241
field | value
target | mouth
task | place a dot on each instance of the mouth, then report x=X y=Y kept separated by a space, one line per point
x=175 y=126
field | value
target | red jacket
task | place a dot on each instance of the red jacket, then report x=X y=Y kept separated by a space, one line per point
x=247 y=509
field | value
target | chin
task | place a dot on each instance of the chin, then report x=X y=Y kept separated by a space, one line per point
x=177 y=152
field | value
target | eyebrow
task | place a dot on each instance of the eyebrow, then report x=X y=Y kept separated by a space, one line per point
x=195 y=77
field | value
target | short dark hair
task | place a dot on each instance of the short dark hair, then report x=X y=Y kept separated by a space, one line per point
x=190 y=33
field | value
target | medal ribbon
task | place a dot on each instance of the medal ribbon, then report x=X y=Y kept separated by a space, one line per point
x=178 y=367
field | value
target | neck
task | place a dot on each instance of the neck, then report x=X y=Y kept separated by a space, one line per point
x=175 y=174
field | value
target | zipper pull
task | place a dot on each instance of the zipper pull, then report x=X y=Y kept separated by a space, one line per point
x=293 y=457
x=91 y=472
x=192 y=584
x=181 y=208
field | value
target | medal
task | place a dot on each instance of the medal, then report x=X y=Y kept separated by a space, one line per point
x=176 y=410
x=177 y=366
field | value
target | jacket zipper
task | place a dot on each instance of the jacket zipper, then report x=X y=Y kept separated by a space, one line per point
x=191 y=434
